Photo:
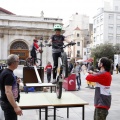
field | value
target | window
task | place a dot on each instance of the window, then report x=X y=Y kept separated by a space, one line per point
x=94 y=22
x=101 y=27
x=110 y=27
x=118 y=17
x=110 y=16
x=101 y=37
x=110 y=37
x=84 y=53
x=78 y=35
x=94 y=30
x=78 y=51
x=118 y=37
x=118 y=27
x=101 y=18
x=78 y=43
x=98 y=20
x=116 y=8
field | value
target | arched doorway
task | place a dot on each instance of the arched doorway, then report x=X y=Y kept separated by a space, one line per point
x=20 y=48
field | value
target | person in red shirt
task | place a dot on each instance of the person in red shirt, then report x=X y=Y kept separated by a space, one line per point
x=102 y=98
x=48 y=70
x=35 y=48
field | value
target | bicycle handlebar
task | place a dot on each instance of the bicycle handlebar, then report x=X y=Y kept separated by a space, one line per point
x=71 y=43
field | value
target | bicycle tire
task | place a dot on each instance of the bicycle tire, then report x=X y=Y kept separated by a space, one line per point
x=59 y=89
x=29 y=62
x=38 y=62
x=65 y=64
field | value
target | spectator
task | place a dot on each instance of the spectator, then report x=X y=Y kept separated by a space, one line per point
x=70 y=66
x=77 y=70
x=117 y=69
x=102 y=99
x=10 y=90
x=48 y=70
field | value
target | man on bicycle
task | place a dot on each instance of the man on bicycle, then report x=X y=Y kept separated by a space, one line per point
x=56 y=41
x=35 y=47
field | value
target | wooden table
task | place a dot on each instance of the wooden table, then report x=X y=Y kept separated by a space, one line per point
x=41 y=85
x=44 y=100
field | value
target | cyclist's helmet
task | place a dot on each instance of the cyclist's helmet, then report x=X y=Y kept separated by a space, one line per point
x=57 y=27
x=35 y=40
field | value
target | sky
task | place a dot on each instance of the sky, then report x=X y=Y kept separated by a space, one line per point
x=52 y=8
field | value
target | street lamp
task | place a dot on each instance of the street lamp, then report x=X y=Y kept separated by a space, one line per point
x=41 y=45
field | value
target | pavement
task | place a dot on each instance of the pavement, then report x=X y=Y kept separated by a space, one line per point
x=87 y=95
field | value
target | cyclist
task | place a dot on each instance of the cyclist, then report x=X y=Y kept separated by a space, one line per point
x=56 y=40
x=35 y=47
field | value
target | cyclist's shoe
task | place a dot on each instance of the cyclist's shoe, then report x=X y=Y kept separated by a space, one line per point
x=54 y=81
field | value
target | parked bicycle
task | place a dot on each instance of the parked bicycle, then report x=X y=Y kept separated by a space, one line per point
x=62 y=70
x=31 y=62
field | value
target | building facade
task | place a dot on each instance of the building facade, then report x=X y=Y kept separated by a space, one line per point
x=17 y=33
x=106 y=26
x=79 y=31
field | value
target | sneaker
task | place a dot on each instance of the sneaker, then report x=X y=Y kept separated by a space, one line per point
x=54 y=81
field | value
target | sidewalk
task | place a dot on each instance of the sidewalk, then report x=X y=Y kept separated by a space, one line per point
x=87 y=95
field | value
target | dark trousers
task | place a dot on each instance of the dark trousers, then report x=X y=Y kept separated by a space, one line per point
x=78 y=78
x=49 y=77
x=9 y=112
x=100 y=114
x=55 y=60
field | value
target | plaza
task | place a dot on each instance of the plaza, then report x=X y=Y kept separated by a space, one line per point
x=87 y=95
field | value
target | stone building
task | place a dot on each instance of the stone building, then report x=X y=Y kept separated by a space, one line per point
x=17 y=33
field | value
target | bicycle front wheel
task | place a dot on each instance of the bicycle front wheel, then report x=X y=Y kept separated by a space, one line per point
x=38 y=62
x=59 y=88
x=29 y=62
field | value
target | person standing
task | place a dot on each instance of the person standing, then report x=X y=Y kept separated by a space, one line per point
x=10 y=90
x=77 y=70
x=102 y=98
x=35 y=47
x=117 y=69
x=48 y=70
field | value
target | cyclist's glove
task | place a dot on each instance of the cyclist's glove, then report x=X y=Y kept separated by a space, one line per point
x=72 y=43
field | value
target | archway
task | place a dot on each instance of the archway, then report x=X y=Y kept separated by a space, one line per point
x=20 y=48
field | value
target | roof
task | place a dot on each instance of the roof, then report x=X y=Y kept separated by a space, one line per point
x=6 y=11
x=77 y=28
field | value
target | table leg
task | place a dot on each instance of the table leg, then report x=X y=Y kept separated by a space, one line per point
x=40 y=114
x=67 y=112
x=54 y=113
x=83 y=111
x=51 y=89
x=46 y=113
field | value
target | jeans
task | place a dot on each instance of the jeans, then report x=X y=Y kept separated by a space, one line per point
x=49 y=77
x=78 y=78
x=9 y=112
x=100 y=114
x=55 y=60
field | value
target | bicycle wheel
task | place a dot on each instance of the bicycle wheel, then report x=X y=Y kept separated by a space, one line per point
x=59 y=88
x=65 y=64
x=38 y=62
x=29 y=62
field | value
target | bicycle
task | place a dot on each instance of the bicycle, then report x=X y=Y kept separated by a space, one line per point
x=31 y=62
x=62 y=70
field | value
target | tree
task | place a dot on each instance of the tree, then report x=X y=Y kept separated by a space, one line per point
x=104 y=50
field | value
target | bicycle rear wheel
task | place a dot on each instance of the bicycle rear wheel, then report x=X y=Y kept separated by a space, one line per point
x=38 y=62
x=65 y=64
x=59 y=88
x=29 y=62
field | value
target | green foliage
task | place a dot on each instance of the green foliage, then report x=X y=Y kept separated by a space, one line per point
x=104 y=50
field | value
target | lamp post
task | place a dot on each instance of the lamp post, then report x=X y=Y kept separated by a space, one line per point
x=41 y=45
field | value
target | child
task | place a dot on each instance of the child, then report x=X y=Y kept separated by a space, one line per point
x=48 y=70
